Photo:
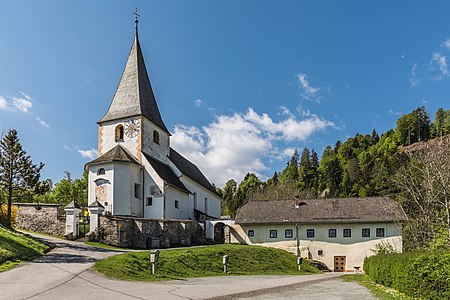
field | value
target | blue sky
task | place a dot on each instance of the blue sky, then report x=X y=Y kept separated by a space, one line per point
x=240 y=84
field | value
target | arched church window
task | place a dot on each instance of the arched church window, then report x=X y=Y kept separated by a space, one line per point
x=101 y=171
x=119 y=133
x=156 y=137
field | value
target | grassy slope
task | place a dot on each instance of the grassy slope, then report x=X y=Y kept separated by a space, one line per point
x=201 y=262
x=16 y=247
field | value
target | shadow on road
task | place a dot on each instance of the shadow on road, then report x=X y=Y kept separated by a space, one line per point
x=60 y=258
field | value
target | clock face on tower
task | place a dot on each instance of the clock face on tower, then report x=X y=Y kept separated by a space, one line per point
x=132 y=127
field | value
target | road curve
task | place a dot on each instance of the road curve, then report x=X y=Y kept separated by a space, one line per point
x=64 y=273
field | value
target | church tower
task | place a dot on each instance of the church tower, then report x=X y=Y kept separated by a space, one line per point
x=137 y=173
x=133 y=120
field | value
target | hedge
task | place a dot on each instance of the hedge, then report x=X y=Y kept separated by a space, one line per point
x=418 y=275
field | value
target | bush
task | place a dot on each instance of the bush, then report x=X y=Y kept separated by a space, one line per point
x=4 y=213
x=423 y=275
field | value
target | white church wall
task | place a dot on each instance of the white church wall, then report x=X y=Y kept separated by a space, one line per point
x=108 y=140
x=153 y=187
x=125 y=177
x=159 y=151
x=171 y=211
x=136 y=203
x=206 y=202
x=100 y=186
x=156 y=209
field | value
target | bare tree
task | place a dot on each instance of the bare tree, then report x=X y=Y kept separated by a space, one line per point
x=425 y=186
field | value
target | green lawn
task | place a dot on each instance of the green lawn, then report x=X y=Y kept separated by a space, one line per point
x=15 y=247
x=202 y=262
x=379 y=291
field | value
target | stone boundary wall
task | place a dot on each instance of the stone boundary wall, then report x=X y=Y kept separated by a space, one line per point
x=45 y=218
x=148 y=233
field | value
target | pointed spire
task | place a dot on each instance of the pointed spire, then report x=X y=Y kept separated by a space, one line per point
x=134 y=95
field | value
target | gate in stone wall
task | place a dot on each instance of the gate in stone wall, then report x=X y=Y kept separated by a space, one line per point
x=84 y=225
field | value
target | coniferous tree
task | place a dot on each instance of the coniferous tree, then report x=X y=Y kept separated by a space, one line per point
x=439 y=126
x=289 y=175
x=304 y=171
x=17 y=172
x=314 y=171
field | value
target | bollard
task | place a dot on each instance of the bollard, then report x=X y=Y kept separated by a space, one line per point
x=154 y=256
x=299 y=262
x=225 y=263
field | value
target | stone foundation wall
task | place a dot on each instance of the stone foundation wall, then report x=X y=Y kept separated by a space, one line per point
x=148 y=233
x=43 y=218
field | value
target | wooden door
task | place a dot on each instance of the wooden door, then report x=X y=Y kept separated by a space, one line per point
x=339 y=263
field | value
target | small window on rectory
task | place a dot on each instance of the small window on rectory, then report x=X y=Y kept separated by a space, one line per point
x=156 y=137
x=365 y=232
x=273 y=234
x=177 y=204
x=310 y=233
x=119 y=133
x=288 y=233
x=149 y=201
x=332 y=233
x=251 y=233
x=101 y=171
x=347 y=232
x=380 y=232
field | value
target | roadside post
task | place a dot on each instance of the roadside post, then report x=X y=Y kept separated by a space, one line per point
x=154 y=257
x=299 y=262
x=225 y=263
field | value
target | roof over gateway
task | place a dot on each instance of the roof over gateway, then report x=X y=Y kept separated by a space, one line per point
x=134 y=95
x=116 y=154
x=320 y=211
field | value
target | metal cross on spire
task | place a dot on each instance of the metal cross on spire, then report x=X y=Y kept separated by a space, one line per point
x=135 y=12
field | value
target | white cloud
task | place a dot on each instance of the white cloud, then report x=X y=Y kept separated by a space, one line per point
x=42 y=122
x=285 y=111
x=394 y=113
x=413 y=80
x=67 y=147
x=308 y=92
x=439 y=61
x=26 y=96
x=3 y=103
x=288 y=152
x=199 y=102
x=446 y=44
x=22 y=105
x=18 y=104
x=91 y=153
x=233 y=145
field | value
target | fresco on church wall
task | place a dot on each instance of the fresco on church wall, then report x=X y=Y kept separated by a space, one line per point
x=101 y=193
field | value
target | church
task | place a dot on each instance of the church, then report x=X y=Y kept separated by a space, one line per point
x=137 y=173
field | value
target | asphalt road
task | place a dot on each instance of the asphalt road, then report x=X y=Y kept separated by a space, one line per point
x=64 y=274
